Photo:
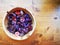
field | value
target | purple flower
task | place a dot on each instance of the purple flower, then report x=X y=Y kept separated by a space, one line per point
x=22 y=19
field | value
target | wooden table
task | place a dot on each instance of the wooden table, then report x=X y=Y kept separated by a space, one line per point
x=43 y=23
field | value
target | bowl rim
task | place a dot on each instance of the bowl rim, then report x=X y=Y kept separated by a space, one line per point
x=18 y=38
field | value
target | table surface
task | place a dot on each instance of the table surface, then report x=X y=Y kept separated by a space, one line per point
x=45 y=32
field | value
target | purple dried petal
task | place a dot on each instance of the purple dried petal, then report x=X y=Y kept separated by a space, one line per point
x=25 y=30
x=13 y=22
x=21 y=12
x=22 y=19
x=22 y=34
x=14 y=14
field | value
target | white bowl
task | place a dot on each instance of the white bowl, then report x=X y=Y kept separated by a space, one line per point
x=19 y=37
